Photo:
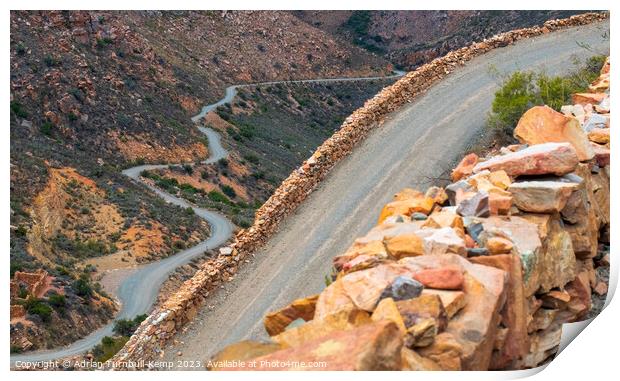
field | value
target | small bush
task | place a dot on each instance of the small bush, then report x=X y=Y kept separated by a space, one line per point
x=126 y=327
x=108 y=347
x=218 y=197
x=57 y=301
x=18 y=109
x=82 y=287
x=37 y=307
x=523 y=90
x=229 y=191
x=188 y=169
x=46 y=128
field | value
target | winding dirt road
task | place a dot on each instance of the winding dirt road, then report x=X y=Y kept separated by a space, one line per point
x=139 y=287
x=417 y=143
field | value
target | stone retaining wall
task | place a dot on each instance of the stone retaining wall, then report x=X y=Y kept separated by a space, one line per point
x=481 y=275
x=161 y=325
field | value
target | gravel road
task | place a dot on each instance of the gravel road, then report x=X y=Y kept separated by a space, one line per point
x=140 y=286
x=415 y=144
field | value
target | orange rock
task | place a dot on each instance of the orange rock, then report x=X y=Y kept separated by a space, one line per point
x=413 y=361
x=407 y=207
x=387 y=310
x=423 y=307
x=540 y=159
x=514 y=315
x=465 y=167
x=445 y=219
x=600 y=288
x=558 y=265
x=438 y=195
x=580 y=293
x=499 y=245
x=375 y=346
x=588 y=98
x=500 y=179
x=446 y=278
x=445 y=351
x=600 y=85
x=340 y=321
x=453 y=301
x=404 y=245
x=542 y=124
x=469 y=242
x=499 y=205
x=240 y=352
x=606 y=66
x=599 y=135
x=367 y=249
x=408 y=194
x=276 y=322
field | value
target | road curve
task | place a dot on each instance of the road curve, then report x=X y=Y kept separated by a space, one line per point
x=139 y=290
x=416 y=144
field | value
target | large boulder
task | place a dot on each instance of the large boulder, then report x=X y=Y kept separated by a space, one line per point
x=541 y=196
x=339 y=321
x=514 y=315
x=558 y=263
x=527 y=244
x=541 y=159
x=374 y=346
x=542 y=124
x=238 y=353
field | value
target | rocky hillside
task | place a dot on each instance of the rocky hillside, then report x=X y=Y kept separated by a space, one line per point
x=269 y=130
x=95 y=92
x=411 y=38
x=479 y=275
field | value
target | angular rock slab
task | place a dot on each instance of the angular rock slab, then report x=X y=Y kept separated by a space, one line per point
x=542 y=124
x=374 y=346
x=525 y=237
x=276 y=322
x=541 y=196
x=541 y=159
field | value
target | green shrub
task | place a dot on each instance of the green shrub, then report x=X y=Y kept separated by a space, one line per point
x=229 y=191
x=82 y=286
x=516 y=95
x=523 y=90
x=20 y=49
x=57 y=301
x=252 y=158
x=18 y=109
x=126 y=327
x=37 y=307
x=46 y=128
x=108 y=347
x=218 y=197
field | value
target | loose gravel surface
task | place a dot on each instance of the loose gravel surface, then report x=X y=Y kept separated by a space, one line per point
x=414 y=146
